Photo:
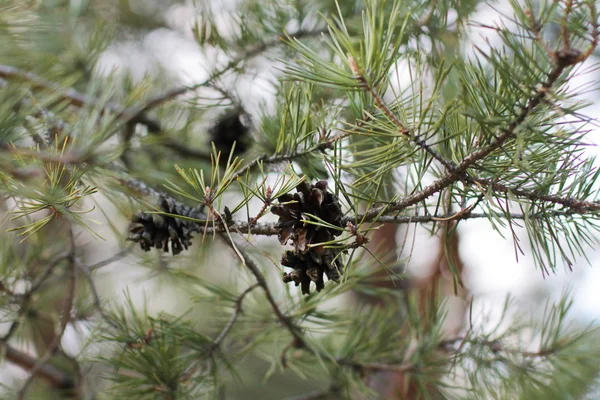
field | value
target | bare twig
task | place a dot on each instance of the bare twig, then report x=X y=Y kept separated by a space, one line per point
x=233 y=63
x=64 y=321
x=87 y=272
x=295 y=331
x=54 y=376
x=109 y=260
x=236 y=312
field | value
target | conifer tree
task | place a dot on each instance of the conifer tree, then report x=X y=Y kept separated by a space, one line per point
x=269 y=228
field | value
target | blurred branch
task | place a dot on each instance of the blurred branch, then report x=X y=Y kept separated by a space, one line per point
x=332 y=390
x=64 y=320
x=109 y=260
x=74 y=97
x=87 y=272
x=139 y=114
x=23 y=300
x=54 y=376
x=219 y=339
x=495 y=347
x=236 y=312
x=275 y=159
x=245 y=56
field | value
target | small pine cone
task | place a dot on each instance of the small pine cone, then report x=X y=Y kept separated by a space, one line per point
x=310 y=267
x=309 y=199
x=157 y=230
x=229 y=128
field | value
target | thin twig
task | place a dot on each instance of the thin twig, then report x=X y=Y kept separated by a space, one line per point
x=236 y=312
x=97 y=303
x=495 y=346
x=108 y=261
x=233 y=63
x=54 y=376
x=279 y=158
x=64 y=321
x=286 y=321
x=581 y=206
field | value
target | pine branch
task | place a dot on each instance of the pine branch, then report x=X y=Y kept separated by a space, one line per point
x=276 y=159
x=74 y=97
x=295 y=331
x=64 y=321
x=577 y=205
x=54 y=376
x=564 y=58
x=243 y=57
x=403 y=129
x=236 y=312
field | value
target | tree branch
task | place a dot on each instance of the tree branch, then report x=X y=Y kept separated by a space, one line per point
x=54 y=376
x=245 y=56
x=332 y=390
x=236 y=312
x=64 y=321
x=74 y=97
x=278 y=158
x=138 y=114
x=295 y=331
x=564 y=59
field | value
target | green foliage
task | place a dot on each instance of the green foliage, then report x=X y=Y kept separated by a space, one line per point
x=384 y=106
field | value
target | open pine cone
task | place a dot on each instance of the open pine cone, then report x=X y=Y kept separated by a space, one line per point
x=158 y=230
x=311 y=266
x=309 y=199
x=309 y=263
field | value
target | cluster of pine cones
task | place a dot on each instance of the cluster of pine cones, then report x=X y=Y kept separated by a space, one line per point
x=310 y=263
x=309 y=260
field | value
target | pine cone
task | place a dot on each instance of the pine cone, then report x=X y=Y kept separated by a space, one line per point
x=311 y=266
x=228 y=129
x=309 y=263
x=157 y=230
x=309 y=199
